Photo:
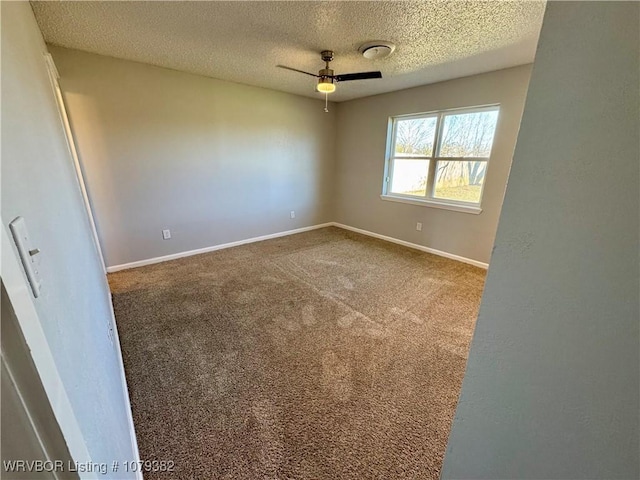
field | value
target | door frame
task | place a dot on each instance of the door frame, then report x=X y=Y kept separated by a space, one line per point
x=64 y=118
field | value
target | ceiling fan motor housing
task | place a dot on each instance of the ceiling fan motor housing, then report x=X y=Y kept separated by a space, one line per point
x=327 y=55
x=326 y=72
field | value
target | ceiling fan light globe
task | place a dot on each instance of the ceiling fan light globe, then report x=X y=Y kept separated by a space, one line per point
x=325 y=86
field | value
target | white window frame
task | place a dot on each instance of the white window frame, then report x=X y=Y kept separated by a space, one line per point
x=429 y=199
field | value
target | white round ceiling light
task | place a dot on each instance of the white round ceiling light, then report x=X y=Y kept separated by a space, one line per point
x=376 y=50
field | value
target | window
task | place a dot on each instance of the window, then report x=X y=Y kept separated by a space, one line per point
x=441 y=157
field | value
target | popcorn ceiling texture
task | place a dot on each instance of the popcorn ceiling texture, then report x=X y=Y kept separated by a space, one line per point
x=323 y=355
x=244 y=41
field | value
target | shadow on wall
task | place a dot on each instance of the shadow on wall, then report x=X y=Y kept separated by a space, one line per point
x=213 y=160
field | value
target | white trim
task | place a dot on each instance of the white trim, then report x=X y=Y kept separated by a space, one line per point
x=21 y=300
x=222 y=246
x=71 y=145
x=440 y=253
x=430 y=203
x=166 y=258
x=125 y=387
x=28 y=413
x=449 y=111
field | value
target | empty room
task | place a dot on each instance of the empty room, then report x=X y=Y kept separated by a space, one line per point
x=320 y=239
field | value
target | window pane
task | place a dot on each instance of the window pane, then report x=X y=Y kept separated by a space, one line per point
x=415 y=136
x=410 y=177
x=460 y=180
x=468 y=134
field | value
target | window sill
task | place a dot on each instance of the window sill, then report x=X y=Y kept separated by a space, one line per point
x=430 y=203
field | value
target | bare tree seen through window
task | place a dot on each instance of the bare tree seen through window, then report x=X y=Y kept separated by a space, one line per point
x=414 y=138
x=460 y=144
x=465 y=135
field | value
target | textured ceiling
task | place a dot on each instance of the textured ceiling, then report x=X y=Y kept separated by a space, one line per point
x=244 y=41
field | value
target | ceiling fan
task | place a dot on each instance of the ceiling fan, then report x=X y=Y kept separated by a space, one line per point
x=326 y=77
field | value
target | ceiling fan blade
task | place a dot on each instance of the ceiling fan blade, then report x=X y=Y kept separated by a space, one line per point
x=357 y=76
x=296 y=70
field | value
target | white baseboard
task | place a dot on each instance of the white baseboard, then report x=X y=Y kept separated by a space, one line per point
x=165 y=258
x=440 y=253
x=125 y=386
x=173 y=256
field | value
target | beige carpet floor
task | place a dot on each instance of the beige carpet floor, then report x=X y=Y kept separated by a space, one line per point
x=322 y=355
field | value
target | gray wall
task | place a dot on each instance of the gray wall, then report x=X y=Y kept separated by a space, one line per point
x=39 y=183
x=361 y=145
x=551 y=389
x=217 y=162
x=212 y=161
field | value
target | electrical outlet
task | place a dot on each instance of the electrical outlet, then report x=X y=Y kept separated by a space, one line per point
x=166 y=234
x=419 y=226
x=293 y=214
